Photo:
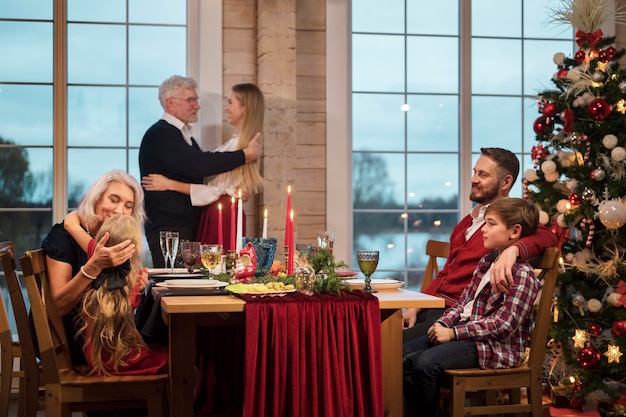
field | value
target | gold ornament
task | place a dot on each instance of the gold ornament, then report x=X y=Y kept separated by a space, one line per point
x=620 y=106
x=580 y=338
x=613 y=353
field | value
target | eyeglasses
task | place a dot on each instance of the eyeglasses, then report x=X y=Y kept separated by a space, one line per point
x=189 y=100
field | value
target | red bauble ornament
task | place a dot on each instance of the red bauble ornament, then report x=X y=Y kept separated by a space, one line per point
x=599 y=109
x=562 y=73
x=549 y=110
x=603 y=56
x=611 y=52
x=589 y=358
x=575 y=401
x=594 y=329
x=574 y=200
x=619 y=327
x=543 y=125
x=567 y=116
x=580 y=56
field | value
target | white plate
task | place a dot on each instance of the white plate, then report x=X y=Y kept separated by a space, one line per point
x=175 y=275
x=377 y=284
x=164 y=271
x=192 y=283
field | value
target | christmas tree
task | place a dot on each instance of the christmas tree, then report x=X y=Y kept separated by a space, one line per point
x=579 y=183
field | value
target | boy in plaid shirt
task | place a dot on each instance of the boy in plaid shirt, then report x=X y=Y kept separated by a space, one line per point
x=485 y=328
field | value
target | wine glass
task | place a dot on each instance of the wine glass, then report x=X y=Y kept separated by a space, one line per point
x=162 y=242
x=190 y=252
x=368 y=261
x=211 y=256
x=171 y=244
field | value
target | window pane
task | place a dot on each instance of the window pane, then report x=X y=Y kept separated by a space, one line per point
x=425 y=78
x=39 y=193
x=378 y=63
x=26 y=9
x=531 y=113
x=420 y=17
x=133 y=164
x=496 y=122
x=96 y=116
x=26 y=229
x=378 y=122
x=378 y=181
x=497 y=18
x=539 y=64
x=433 y=123
x=84 y=166
x=432 y=181
x=28 y=47
x=147 y=67
x=143 y=110
x=537 y=23
x=26 y=114
x=158 y=11
x=96 y=54
x=377 y=16
x=492 y=75
x=383 y=232
x=96 y=10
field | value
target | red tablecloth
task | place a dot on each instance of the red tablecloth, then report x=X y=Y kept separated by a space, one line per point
x=313 y=356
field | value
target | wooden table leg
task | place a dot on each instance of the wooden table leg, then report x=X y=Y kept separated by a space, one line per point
x=391 y=344
x=182 y=341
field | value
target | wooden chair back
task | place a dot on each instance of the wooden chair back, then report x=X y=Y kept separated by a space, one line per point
x=529 y=374
x=434 y=249
x=69 y=388
x=29 y=398
x=9 y=348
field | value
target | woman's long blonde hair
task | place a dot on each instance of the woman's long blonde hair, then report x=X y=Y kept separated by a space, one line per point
x=107 y=315
x=248 y=176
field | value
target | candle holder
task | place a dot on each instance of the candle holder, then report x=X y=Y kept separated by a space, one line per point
x=230 y=261
x=286 y=256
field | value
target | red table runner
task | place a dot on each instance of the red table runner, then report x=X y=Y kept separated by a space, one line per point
x=313 y=356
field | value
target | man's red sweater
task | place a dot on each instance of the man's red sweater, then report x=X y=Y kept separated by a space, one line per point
x=456 y=274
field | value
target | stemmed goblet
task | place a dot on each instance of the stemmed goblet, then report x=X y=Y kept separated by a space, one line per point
x=163 y=244
x=190 y=252
x=171 y=244
x=211 y=256
x=368 y=261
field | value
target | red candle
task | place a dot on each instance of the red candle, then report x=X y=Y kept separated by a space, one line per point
x=220 y=238
x=291 y=245
x=287 y=219
x=233 y=219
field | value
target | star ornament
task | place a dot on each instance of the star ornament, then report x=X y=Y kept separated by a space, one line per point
x=613 y=354
x=620 y=106
x=580 y=337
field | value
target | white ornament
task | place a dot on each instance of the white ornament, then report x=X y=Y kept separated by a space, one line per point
x=563 y=206
x=609 y=141
x=618 y=154
x=560 y=220
x=598 y=174
x=612 y=214
x=558 y=58
x=530 y=175
x=544 y=218
x=569 y=257
x=572 y=184
x=574 y=74
x=548 y=166
x=552 y=176
x=613 y=299
x=594 y=305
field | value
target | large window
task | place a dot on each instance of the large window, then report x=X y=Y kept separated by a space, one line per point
x=431 y=86
x=76 y=95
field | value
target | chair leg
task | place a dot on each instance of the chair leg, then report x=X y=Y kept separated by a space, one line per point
x=457 y=397
x=6 y=376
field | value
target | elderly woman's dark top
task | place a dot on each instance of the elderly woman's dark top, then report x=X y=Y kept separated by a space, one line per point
x=61 y=246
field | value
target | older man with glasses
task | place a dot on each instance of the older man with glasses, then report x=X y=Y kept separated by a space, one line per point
x=168 y=148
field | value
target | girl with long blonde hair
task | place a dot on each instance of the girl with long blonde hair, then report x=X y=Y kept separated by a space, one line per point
x=113 y=345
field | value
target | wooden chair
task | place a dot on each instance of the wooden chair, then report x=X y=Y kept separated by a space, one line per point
x=9 y=349
x=528 y=375
x=69 y=388
x=30 y=398
x=434 y=249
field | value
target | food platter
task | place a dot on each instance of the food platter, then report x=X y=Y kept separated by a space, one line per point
x=192 y=283
x=377 y=284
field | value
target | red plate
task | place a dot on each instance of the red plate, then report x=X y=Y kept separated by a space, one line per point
x=347 y=274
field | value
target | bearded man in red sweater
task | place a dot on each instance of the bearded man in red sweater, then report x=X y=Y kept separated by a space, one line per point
x=495 y=173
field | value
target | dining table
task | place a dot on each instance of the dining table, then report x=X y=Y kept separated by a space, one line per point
x=184 y=314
